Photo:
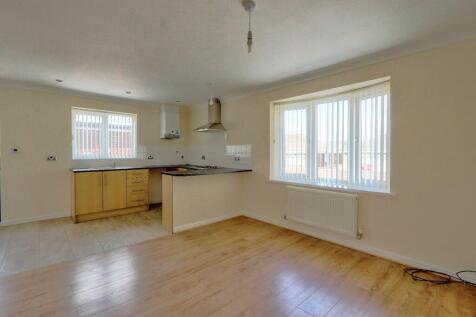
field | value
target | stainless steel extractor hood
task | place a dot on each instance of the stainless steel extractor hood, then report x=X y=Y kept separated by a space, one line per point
x=214 y=118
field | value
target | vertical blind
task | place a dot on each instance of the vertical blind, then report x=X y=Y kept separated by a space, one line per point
x=340 y=141
x=103 y=135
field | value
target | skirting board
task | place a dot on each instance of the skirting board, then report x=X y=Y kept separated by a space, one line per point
x=204 y=222
x=109 y=213
x=357 y=245
x=39 y=218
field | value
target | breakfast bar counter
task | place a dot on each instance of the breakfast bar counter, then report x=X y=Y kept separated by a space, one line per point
x=189 y=202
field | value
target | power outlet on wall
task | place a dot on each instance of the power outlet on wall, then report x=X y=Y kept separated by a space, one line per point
x=51 y=158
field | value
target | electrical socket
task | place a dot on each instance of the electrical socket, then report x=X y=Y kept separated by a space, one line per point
x=51 y=158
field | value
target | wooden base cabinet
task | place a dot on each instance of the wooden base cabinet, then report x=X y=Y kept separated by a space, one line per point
x=137 y=188
x=88 y=193
x=109 y=193
x=114 y=190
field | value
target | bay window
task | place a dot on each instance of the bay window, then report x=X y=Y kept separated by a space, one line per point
x=339 y=140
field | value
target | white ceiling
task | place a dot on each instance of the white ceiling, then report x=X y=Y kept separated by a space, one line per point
x=167 y=50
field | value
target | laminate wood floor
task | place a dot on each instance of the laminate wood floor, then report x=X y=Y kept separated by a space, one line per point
x=239 y=267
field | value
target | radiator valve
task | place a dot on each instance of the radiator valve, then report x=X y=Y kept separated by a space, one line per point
x=360 y=233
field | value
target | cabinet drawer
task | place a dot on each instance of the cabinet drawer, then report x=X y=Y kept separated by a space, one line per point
x=137 y=199
x=131 y=190
x=137 y=177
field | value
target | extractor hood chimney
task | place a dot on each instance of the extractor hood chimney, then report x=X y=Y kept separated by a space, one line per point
x=214 y=118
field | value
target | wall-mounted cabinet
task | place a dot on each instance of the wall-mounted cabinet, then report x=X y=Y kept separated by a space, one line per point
x=169 y=122
x=109 y=193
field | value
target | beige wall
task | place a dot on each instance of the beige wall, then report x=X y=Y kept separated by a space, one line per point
x=432 y=217
x=38 y=122
x=200 y=200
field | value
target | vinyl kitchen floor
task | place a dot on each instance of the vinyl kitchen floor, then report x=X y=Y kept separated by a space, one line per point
x=32 y=245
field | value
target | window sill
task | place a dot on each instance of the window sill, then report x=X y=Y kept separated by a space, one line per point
x=333 y=189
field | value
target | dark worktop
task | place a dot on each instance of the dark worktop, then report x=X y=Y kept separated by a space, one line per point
x=189 y=172
x=208 y=171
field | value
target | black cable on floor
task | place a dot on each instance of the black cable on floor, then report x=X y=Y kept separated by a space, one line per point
x=462 y=280
x=418 y=275
x=439 y=278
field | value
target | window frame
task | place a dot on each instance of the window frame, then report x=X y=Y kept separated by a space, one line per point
x=354 y=147
x=104 y=150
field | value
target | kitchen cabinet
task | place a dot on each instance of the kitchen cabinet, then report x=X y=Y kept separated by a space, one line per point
x=109 y=193
x=88 y=192
x=137 y=188
x=137 y=199
x=137 y=177
x=114 y=190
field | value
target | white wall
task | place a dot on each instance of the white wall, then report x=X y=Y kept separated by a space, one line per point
x=38 y=122
x=200 y=200
x=431 y=220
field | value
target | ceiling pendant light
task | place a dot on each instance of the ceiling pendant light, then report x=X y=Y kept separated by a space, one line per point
x=249 y=6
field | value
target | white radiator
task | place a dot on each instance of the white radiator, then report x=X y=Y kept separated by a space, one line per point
x=323 y=209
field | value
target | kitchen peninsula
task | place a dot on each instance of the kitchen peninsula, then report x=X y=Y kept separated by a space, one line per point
x=191 y=195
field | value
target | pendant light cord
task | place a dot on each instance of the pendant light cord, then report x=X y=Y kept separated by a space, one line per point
x=249 y=20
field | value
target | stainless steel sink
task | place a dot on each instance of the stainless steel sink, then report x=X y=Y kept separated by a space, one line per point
x=119 y=167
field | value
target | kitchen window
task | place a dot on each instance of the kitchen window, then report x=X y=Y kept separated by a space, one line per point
x=101 y=134
x=337 y=139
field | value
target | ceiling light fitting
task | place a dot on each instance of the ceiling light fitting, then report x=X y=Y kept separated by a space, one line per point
x=249 y=6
